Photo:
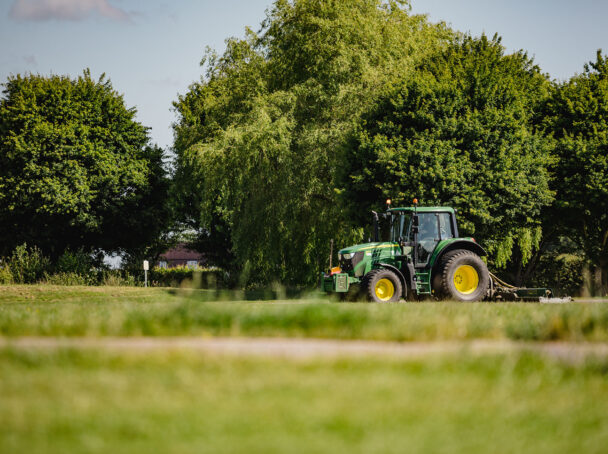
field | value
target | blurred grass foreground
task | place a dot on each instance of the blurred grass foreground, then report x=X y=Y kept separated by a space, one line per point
x=86 y=401
x=123 y=311
x=58 y=400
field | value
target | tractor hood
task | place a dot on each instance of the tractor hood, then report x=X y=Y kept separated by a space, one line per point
x=359 y=259
x=368 y=247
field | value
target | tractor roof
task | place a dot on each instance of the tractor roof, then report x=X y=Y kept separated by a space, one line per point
x=425 y=209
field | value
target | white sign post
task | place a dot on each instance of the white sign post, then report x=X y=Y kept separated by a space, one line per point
x=146 y=268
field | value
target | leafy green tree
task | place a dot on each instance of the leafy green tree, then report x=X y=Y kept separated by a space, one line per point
x=259 y=138
x=578 y=116
x=76 y=169
x=460 y=132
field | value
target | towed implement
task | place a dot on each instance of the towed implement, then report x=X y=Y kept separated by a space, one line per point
x=424 y=257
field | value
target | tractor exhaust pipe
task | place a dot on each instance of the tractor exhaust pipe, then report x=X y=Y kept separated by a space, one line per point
x=376 y=232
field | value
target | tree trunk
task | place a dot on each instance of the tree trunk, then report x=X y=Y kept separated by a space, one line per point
x=603 y=265
x=587 y=288
x=530 y=267
x=602 y=278
x=517 y=277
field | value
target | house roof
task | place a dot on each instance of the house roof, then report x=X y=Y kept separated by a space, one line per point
x=181 y=252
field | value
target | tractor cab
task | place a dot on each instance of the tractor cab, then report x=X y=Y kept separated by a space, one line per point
x=422 y=230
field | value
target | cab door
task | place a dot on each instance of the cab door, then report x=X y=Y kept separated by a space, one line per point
x=432 y=228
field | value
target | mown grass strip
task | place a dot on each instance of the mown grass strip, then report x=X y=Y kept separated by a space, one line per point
x=55 y=311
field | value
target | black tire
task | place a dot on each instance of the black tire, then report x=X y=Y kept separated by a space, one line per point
x=464 y=277
x=382 y=286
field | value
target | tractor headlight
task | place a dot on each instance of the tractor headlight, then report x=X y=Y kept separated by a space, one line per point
x=348 y=256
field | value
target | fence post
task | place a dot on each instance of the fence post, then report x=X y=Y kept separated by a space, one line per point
x=146 y=268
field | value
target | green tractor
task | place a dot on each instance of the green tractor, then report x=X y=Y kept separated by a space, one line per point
x=424 y=257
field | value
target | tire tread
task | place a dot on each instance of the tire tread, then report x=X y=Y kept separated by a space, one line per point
x=369 y=279
x=447 y=263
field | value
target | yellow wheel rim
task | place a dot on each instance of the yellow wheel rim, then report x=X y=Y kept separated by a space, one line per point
x=466 y=279
x=384 y=290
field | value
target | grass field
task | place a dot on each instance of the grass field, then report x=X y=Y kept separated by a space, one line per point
x=123 y=311
x=56 y=400
x=68 y=401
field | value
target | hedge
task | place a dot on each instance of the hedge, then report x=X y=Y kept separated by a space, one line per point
x=206 y=278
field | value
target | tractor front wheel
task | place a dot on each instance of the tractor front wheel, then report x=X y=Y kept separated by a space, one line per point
x=383 y=286
x=464 y=276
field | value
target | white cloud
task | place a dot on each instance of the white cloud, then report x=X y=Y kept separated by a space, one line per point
x=73 y=10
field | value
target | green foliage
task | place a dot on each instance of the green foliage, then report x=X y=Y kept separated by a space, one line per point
x=258 y=138
x=577 y=114
x=78 y=262
x=207 y=278
x=6 y=277
x=562 y=272
x=27 y=264
x=460 y=132
x=117 y=278
x=76 y=169
x=68 y=278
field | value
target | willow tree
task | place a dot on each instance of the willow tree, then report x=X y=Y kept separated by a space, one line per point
x=259 y=138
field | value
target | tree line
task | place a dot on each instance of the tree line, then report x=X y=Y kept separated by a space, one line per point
x=298 y=130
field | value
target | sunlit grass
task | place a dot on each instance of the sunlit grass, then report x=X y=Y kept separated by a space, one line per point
x=93 y=402
x=124 y=311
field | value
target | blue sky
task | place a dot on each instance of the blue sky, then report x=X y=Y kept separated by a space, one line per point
x=151 y=49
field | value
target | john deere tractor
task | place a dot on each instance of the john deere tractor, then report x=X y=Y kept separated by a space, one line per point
x=424 y=256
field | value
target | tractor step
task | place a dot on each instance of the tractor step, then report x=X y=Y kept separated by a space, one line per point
x=423 y=284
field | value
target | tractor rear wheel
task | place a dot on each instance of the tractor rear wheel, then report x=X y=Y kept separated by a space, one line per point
x=382 y=286
x=464 y=276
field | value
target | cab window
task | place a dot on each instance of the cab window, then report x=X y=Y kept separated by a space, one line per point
x=445 y=225
x=432 y=228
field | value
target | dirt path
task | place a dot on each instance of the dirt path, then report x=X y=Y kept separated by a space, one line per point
x=311 y=348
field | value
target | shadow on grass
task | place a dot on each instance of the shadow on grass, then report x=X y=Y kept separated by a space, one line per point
x=224 y=295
